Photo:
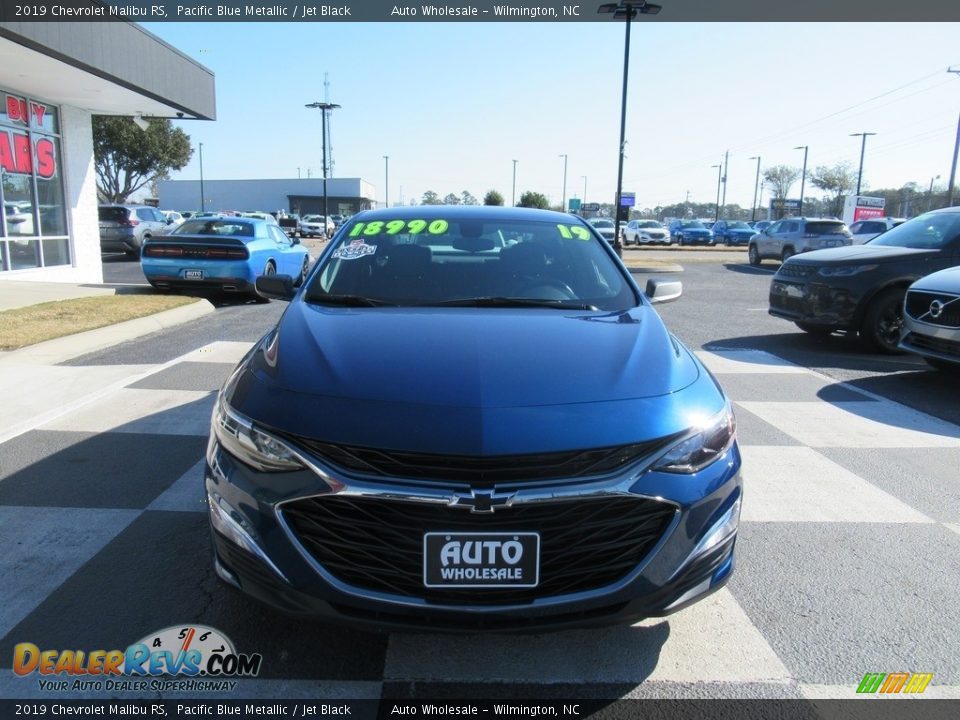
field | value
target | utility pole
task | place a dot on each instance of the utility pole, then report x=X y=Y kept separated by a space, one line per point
x=513 y=194
x=726 y=166
x=563 y=202
x=955 y=69
x=719 y=168
x=202 y=199
x=756 y=185
x=863 y=147
x=803 y=178
x=323 y=107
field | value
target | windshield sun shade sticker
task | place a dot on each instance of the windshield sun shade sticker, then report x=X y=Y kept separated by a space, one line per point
x=356 y=249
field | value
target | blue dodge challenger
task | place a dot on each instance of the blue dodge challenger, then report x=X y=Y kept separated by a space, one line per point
x=471 y=418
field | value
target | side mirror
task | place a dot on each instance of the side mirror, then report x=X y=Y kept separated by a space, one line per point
x=294 y=241
x=169 y=221
x=660 y=291
x=277 y=287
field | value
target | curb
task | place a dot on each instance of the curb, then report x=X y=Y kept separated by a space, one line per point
x=665 y=268
x=51 y=352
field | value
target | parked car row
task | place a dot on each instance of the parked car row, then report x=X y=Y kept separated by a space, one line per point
x=897 y=291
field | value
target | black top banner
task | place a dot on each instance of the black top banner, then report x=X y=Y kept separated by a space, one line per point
x=855 y=11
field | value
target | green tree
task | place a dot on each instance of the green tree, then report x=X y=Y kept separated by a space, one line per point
x=127 y=158
x=780 y=178
x=468 y=199
x=431 y=198
x=451 y=199
x=532 y=199
x=493 y=198
x=837 y=181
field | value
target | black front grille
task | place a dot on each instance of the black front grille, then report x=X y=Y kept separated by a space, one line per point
x=378 y=544
x=796 y=270
x=933 y=344
x=918 y=306
x=481 y=471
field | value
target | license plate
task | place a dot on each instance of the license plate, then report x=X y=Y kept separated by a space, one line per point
x=193 y=274
x=481 y=560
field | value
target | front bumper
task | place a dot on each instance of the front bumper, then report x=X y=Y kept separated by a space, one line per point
x=260 y=546
x=812 y=302
x=928 y=340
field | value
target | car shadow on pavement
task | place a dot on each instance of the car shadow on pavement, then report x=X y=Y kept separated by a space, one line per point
x=748 y=269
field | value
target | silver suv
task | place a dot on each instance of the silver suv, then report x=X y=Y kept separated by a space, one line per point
x=123 y=228
x=791 y=236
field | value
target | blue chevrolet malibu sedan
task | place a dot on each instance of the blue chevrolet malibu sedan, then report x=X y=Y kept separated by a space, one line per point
x=471 y=418
x=222 y=253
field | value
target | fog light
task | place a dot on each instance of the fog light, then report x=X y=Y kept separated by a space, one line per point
x=721 y=531
x=231 y=524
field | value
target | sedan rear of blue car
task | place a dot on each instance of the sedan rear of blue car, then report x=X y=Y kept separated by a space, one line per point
x=472 y=418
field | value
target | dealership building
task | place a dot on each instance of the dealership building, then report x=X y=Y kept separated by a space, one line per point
x=303 y=196
x=54 y=77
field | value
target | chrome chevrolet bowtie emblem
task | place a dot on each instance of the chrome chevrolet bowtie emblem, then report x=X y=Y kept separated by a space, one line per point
x=482 y=501
x=936 y=309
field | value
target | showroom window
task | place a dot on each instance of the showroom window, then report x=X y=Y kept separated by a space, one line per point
x=33 y=218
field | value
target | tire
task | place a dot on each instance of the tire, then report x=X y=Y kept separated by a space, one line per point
x=303 y=272
x=882 y=322
x=753 y=255
x=815 y=330
x=270 y=269
x=787 y=254
x=680 y=241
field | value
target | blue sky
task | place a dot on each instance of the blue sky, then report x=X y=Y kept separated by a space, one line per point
x=453 y=104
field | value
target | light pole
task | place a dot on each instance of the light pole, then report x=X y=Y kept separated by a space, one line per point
x=584 y=188
x=803 y=178
x=202 y=199
x=323 y=107
x=563 y=202
x=863 y=147
x=513 y=193
x=386 y=181
x=625 y=10
x=726 y=166
x=930 y=193
x=719 y=170
x=756 y=185
x=955 y=69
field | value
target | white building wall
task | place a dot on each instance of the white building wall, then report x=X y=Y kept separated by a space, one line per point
x=262 y=195
x=80 y=199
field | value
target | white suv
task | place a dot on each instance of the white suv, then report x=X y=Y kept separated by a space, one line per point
x=864 y=230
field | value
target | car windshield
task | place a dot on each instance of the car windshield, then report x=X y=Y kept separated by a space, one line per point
x=929 y=232
x=648 y=224
x=738 y=225
x=489 y=261
x=601 y=223
x=217 y=226
x=313 y=218
x=692 y=224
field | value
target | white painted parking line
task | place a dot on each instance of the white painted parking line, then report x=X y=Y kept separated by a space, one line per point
x=745 y=361
x=161 y=412
x=856 y=424
x=219 y=352
x=712 y=641
x=798 y=484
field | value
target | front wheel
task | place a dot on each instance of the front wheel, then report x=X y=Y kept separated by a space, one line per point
x=787 y=254
x=884 y=319
x=753 y=255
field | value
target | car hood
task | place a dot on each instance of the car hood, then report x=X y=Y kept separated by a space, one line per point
x=942 y=281
x=695 y=231
x=472 y=381
x=860 y=254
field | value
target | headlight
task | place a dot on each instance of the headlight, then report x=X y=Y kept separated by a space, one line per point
x=709 y=441
x=250 y=445
x=845 y=271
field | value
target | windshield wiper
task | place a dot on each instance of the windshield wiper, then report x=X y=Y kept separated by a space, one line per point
x=348 y=300
x=505 y=302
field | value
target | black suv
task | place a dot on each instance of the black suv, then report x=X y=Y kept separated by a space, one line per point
x=861 y=288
